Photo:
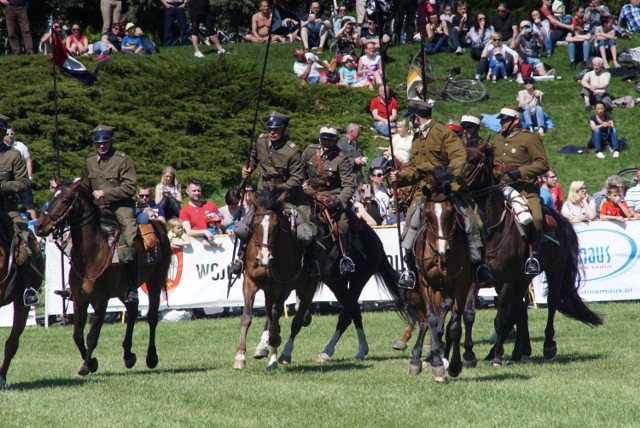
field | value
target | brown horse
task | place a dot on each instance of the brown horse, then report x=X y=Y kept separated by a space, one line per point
x=445 y=277
x=11 y=291
x=274 y=264
x=94 y=279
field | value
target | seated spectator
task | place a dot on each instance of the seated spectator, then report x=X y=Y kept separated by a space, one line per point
x=480 y=35
x=379 y=107
x=599 y=196
x=542 y=27
x=494 y=59
x=370 y=34
x=145 y=210
x=603 y=131
x=261 y=25
x=459 y=27
x=632 y=197
x=606 y=41
x=110 y=42
x=231 y=212
x=402 y=142
x=314 y=29
x=306 y=67
x=131 y=44
x=555 y=188
x=559 y=10
x=545 y=194
x=147 y=44
x=595 y=85
x=559 y=30
x=437 y=35
x=504 y=23
x=593 y=15
x=340 y=19
x=630 y=16
x=529 y=45
x=168 y=194
x=530 y=100
x=614 y=208
x=176 y=234
x=194 y=215
x=447 y=14
x=578 y=38
x=579 y=206
x=370 y=65
x=380 y=194
x=45 y=42
x=347 y=39
x=77 y=43
x=349 y=74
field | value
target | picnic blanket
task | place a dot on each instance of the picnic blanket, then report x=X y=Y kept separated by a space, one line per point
x=492 y=122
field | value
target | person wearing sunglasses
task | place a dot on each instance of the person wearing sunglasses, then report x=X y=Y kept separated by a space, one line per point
x=380 y=194
x=110 y=42
x=146 y=210
x=77 y=43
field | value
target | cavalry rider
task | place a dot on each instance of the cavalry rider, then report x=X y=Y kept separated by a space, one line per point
x=280 y=166
x=13 y=179
x=519 y=159
x=331 y=181
x=470 y=124
x=111 y=177
x=434 y=144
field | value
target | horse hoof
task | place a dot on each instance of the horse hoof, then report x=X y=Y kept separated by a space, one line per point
x=131 y=361
x=455 y=370
x=306 y=321
x=425 y=364
x=399 y=345
x=284 y=360
x=323 y=358
x=550 y=352
x=152 y=361
x=272 y=367
x=495 y=364
x=415 y=369
x=94 y=365
x=83 y=372
x=469 y=363
x=260 y=353
x=439 y=373
x=239 y=363
x=3 y=383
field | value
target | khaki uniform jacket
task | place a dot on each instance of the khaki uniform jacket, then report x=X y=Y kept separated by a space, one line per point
x=13 y=178
x=521 y=149
x=336 y=169
x=279 y=165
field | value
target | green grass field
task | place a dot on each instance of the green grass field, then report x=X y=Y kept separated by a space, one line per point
x=592 y=382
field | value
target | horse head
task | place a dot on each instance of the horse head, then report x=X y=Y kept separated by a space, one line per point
x=440 y=213
x=477 y=172
x=268 y=206
x=59 y=213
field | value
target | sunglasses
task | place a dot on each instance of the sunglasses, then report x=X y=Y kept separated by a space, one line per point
x=378 y=175
x=53 y=187
x=148 y=195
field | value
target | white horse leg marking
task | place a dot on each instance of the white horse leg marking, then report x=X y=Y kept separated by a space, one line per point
x=442 y=243
x=265 y=241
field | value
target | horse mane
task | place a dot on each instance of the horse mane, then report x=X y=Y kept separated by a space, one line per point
x=270 y=199
x=442 y=179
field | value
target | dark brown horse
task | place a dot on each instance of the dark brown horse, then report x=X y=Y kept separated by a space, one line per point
x=274 y=264
x=93 y=278
x=506 y=252
x=11 y=279
x=445 y=277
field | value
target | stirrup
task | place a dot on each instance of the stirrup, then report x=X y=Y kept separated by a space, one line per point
x=532 y=266
x=65 y=294
x=407 y=280
x=347 y=265
x=235 y=268
x=30 y=297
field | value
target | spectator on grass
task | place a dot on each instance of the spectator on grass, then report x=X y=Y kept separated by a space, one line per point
x=77 y=43
x=599 y=196
x=578 y=39
x=200 y=15
x=529 y=45
x=504 y=22
x=349 y=74
x=594 y=13
x=306 y=67
x=606 y=41
x=261 y=25
x=370 y=34
x=168 y=193
x=175 y=10
x=493 y=60
x=379 y=106
x=347 y=39
x=542 y=27
x=579 y=206
x=480 y=35
x=147 y=44
x=110 y=42
x=437 y=35
x=630 y=16
x=530 y=100
x=196 y=214
x=131 y=44
x=460 y=26
x=559 y=30
x=45 y=42
x=595 y=85
x=603 y=131
x=614 y=207
x=370 y=65
x=314 y=29
x=145 y=209
x=15 y=13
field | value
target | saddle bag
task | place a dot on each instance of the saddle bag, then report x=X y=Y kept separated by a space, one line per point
x=149 y=238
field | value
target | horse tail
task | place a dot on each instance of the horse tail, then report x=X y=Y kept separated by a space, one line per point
x=569 y=301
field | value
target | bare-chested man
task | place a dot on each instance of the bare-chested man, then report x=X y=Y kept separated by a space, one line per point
x=260 y=25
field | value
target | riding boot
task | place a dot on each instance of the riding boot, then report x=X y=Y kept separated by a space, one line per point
x=311 y=254
x=408 y=277
x=346 y=264
x=132 y=291
x=236 y=267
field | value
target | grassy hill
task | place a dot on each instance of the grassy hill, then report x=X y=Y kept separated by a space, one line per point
x=197 y=114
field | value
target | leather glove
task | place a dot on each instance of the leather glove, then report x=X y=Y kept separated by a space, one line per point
x=514 y=174
x=333 y=205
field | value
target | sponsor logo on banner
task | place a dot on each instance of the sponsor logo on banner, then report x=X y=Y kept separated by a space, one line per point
x=173 y=275
x=609 y=253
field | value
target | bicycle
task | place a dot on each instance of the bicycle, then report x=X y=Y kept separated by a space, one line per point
x=460 y=90
x=629 y=178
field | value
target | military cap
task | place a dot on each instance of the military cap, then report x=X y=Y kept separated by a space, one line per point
x=4 y=121
x=103 y=133
x=328 y=132
x=471 y=119
x=277 y=120
x=420 y=107
x=455 y=127
x=509 y=110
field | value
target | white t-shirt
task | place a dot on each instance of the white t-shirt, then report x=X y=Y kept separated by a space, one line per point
x=299 y=67
x=632 y=197
x=22 y=148
x=402 y=147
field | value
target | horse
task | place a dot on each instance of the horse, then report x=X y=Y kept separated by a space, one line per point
x=274 y=264
x=506 y=251
x=94 y=279
x=10 y=292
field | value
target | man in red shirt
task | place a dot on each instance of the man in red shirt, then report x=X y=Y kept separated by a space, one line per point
x=197 y=213
x=559 y=30
x=378 y=110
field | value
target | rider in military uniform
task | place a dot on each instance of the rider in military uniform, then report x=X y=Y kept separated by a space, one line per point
x=13 y=179
x=434 y=144
x=470 y=124
x=111 y=175
x=519 y=158
x=331 y=177
x=280 y=166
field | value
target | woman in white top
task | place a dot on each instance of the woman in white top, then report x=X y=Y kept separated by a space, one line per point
x=494 y=53
x=579 y=206
x=401 y=143
x=169 y=193
x=380 y=194
x=530 y=100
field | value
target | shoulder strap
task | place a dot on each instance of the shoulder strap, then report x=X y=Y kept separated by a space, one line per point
x=321 y=167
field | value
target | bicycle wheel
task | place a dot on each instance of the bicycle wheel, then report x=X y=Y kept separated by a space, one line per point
x=628 y=176
x=466 y=90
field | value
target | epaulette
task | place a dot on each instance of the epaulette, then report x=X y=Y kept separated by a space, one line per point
x=119 y=153
x=292 y=145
